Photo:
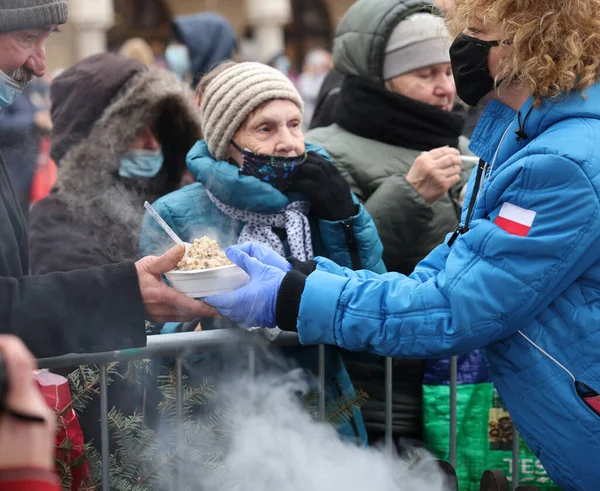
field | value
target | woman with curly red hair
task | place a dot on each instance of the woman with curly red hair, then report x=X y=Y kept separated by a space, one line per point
x=520 y=277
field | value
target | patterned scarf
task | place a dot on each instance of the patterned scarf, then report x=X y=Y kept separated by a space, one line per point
x=258 y=227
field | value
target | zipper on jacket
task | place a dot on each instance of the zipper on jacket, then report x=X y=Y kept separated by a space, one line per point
x=482 y=169
x=352 y=245
x=464 y=228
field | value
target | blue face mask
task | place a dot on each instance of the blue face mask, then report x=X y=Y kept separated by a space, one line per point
x=141 y=163
x=9 y=90
x=177 y=57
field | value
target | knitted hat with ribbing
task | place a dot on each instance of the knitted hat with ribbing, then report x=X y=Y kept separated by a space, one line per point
x=19 y=15
x=419 y=41
x=233 y=94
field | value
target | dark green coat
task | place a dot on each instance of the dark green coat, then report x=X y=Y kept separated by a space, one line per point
x=409 y=227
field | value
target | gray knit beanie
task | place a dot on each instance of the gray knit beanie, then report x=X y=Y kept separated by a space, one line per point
x=233 y=94
x=18 y=15
x=419 y=41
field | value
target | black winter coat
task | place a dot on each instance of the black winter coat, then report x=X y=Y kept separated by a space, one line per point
x=81 y=311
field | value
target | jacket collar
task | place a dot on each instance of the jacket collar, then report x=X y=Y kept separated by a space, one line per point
x=491 y=128
x=226 y=183
x=499 y=118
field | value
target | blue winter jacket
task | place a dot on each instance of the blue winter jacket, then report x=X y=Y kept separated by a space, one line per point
x=191 y=213
x=532 y=302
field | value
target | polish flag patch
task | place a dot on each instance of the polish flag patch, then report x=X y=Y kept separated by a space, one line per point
x=515 y=220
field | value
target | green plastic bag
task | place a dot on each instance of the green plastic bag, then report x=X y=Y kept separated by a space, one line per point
x=484 y=436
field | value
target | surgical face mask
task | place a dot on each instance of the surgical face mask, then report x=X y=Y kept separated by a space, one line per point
x=469 y=59
x=274 y=170
x=141 y=163
x=177 y=57
x=9 y=90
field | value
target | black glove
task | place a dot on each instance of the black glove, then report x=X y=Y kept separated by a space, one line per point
x=329 y=194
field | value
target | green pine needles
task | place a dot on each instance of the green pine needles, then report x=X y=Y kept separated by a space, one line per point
x=146 y=459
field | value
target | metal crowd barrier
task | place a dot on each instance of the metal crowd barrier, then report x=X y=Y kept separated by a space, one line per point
x=181 y=345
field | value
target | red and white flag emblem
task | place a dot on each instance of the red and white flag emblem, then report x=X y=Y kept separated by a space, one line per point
x=515 y=220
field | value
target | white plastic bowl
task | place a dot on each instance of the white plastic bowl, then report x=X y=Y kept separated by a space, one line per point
x=207 y=282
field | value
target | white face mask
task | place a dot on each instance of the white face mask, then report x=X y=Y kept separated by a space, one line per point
x=9 y=90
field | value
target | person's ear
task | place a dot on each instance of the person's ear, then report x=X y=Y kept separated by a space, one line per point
x=233 y=155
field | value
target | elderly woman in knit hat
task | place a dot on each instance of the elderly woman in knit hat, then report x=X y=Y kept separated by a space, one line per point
x=399 y=144
x=257 y=180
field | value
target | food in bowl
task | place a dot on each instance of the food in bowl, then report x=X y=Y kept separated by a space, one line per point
x=206 y=271
x=203 y=254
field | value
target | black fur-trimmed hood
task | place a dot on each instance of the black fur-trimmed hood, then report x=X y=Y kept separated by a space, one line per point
x=88 y=181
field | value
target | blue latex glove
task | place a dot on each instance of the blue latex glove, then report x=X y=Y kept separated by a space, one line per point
x=254 y=304
x=265 y=255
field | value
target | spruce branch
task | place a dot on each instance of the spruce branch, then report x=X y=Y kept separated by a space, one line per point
x=341 y=411
x=143 y=461
x=85 y=382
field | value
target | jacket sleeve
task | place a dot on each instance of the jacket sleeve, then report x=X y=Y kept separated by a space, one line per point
x=355 y=236
x=431 y=265
x=80 y=311
x=491 y=284
x=401 y=216
x=28 y=479
x=73 y=305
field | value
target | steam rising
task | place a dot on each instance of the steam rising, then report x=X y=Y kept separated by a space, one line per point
x=273 y=444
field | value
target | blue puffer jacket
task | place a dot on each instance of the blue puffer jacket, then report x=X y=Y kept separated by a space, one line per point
x=532 y=301
x=191 y=213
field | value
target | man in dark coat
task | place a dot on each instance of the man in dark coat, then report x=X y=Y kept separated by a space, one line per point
x=84 y=310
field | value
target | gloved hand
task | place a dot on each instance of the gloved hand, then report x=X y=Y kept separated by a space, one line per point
x=254 y=304
x=265 y=255
x=329 y=194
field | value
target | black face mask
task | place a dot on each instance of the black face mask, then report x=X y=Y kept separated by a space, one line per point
x=469 y=58
x=274 y=170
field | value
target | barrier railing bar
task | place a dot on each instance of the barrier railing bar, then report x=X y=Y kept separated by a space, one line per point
x=389 y=442
x=171 y=345
x=252 y=362
x=179 y=416
x=184 y=344
x=321 y=382
x=453 y=415
x=515 y=459
x=104 y=428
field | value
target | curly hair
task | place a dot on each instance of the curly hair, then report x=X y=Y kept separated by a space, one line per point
x=555 y=43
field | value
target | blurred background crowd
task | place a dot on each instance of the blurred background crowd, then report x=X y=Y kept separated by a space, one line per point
x=185 y=36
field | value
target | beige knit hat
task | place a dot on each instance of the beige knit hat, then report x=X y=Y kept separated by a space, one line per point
x=233 y=94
